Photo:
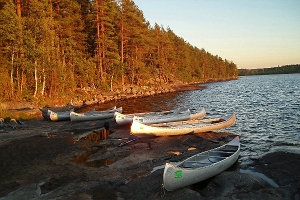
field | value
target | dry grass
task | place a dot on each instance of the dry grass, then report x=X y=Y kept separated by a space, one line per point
x=6 y=115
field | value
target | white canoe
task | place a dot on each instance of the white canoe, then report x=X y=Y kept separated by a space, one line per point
x=59 y=116
x=94 y=115
x=201 y=166
x=182 y=127
x=158 y=117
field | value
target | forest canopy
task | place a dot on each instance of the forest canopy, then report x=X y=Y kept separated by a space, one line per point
x=54 y=47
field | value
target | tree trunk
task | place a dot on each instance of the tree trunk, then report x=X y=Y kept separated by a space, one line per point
x=63 y=59
x=22 y=81
x=21 y=54
x=99 y=59
x=18 y=8
x=134 y=66
x=44 y=82
x=122 y=44
x=55 y=78
x=58 y=57
x=111 y=83
x=52 y=35
x=158 y=62
x=35 y=78
x=18 y=80
x=103 y=46
x=11 y=74
x=51 y=84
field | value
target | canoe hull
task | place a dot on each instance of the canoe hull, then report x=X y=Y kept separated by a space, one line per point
x=139 y=128
x=173 y=117
x=90 y=116
x=122 y=119
x=59 y=116
x=175 y=177
x=78 y=117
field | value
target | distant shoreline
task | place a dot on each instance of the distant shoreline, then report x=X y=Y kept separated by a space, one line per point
x=286 y=69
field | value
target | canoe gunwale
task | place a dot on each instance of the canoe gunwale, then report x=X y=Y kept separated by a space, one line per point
x=171 y=117
x=207 y=152
x=212 y=163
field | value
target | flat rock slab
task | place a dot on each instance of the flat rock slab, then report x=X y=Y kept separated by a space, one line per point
x=39 y=161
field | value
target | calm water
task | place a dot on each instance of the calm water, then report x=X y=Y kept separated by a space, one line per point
x=267 y=110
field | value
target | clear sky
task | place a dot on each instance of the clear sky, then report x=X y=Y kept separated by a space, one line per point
x=251 y=33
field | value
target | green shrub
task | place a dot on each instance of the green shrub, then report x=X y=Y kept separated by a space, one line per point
x=104 y=86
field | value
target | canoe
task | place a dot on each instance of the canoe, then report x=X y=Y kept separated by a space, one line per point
x=201 y=166
x=182 y=127
x=158 y=117
x=94 y=115
x=122 y=119
x=59 y=116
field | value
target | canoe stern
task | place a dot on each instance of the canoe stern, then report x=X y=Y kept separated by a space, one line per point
x=122 y=119
x=198 y=115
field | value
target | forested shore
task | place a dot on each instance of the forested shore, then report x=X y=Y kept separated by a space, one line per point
x=286 y=69
x=53 y=49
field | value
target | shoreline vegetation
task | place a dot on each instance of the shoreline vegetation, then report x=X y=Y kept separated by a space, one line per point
x=55 y=51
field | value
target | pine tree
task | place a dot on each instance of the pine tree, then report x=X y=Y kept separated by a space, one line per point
x=38 y=43
x=10 y=34
x=70 y=29
x=135 y=27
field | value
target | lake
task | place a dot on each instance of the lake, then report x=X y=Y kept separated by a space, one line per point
x=267 y=109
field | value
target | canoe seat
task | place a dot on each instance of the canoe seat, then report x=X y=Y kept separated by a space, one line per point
x=195 y=164
x=226 y=152
x=218 y=157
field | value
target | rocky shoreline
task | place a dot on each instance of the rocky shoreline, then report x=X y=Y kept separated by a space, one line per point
x=92 y=97
x=43 y=160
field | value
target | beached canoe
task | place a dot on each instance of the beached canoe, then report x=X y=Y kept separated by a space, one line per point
x=59 y=116
x=201 y=166
x=159 y=117
x=123 y=119
x=182 y=127
x=94 y=115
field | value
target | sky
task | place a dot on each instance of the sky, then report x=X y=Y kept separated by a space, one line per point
x=251 y=33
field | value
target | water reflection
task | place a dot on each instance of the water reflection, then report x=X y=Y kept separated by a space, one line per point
x=90 y=138
x=167 y=101
x=82 y=159
x=215 y=136
x=136 y=176
x=262 y=176
x=174 y=152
